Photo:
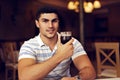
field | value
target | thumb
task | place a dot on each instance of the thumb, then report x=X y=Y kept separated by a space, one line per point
x=70 y=41
x=59 y=40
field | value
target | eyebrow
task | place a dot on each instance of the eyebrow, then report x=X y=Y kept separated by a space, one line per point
x=55 y=19
x=48 y=19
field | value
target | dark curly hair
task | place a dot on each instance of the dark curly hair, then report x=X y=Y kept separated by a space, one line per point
x=46 y=9
x=50 y=9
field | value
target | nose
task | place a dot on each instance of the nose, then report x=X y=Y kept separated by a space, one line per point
x=50 y=24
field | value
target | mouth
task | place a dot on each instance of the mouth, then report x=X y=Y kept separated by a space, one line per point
x=50 y=31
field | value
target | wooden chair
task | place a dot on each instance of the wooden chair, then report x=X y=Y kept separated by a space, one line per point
x=108 y=59
x=10 y=57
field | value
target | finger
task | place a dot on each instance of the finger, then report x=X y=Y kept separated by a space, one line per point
x=59 y=40
x=70 y=41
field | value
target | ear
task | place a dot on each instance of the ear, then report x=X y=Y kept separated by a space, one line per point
x=37 y=23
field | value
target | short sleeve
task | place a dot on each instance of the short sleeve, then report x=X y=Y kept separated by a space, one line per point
x=78 y=49
x=26 y=51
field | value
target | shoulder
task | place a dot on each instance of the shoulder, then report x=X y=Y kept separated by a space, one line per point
x=31 y=42
x=76 y=42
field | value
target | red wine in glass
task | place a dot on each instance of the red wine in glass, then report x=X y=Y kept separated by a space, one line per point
x=65 y=39
x=65 y=36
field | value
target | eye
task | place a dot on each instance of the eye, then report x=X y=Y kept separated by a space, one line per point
x=55 y=20
x=45 y=20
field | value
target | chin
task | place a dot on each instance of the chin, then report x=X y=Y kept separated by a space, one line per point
x=51 y=36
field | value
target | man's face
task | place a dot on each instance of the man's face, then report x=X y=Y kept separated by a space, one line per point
x=48 y=24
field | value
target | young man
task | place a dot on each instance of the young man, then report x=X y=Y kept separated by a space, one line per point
x=44 y=57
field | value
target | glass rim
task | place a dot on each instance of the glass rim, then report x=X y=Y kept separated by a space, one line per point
x=66 y=33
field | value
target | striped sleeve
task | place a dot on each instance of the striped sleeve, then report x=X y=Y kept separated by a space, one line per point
x=78 y=49
x=26 y=51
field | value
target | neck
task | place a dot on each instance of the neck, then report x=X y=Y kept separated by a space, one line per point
x=51 y=42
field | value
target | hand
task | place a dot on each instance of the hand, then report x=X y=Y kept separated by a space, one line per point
x=65 y=51
x=68 y=78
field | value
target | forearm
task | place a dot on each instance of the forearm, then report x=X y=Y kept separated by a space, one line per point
x=39 y=70
x=87 y=73
x=85 y=67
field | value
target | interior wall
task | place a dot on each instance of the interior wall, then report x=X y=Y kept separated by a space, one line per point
x=17 y=19
x=108 y=19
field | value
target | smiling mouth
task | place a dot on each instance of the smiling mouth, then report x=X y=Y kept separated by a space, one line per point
x=50 y=31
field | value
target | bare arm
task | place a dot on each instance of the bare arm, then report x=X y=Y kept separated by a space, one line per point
x=86 y=69
x=28 y=69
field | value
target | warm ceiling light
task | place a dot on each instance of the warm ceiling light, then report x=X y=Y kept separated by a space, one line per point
x=76 y=3
x=97 y=4
x=71 y=5
x=88 y=9
x=88 y=6
x=77 y=10
x=84 y=4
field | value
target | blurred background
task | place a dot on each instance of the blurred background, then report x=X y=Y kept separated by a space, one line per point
x=89 y=23
x=99 y=24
